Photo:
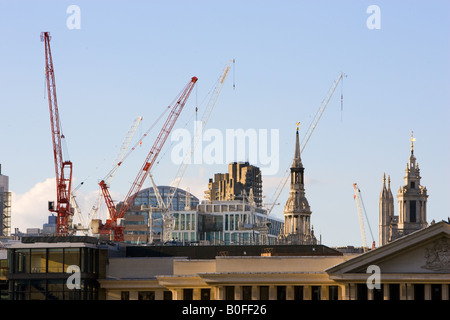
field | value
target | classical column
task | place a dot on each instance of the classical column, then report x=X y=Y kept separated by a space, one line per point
x=289 y=292
x=196 y=295
x=307 y=293
x=238 y=293
x=220 y=293
x=272 y=293
x=255 y=293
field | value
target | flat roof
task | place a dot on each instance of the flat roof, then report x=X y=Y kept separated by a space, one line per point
x=210 y=252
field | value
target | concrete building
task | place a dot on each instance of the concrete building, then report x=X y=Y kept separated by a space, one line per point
x=242 y=182
x=412 y=204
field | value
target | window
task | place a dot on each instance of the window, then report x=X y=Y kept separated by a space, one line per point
x=167 y=295
x=38 y=261
x=205 y=294
x=55 y=260
x=246 y=293
x=315 y=293
x=264 y=293
x=182 y=223
x=281 y=292
x=298 y=292
x=436 y=292
x=378 y=294
x=394 y=292
x=125 y=295
x=419 y=291
x=413 y=184
x=412 y=211
x=361 y=291
x=146 y=295
x=229 y=292
x=21 y=261
x=71 y=257
x=188 y=294
x=333 y=293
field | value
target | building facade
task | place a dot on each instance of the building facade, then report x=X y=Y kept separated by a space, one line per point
x=144 y=221
x=414 y=267
x=39 y=268
x=242 y=182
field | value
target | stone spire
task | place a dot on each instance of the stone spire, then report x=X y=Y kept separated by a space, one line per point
x=297 y=162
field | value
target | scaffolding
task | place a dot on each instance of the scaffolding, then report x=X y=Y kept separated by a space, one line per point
x=5 y=206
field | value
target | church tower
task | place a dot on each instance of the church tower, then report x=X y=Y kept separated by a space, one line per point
x=412 y=204
x=297 y=213
x=412 y=198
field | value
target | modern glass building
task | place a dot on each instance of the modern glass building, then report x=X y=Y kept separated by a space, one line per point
x=216 y=222
x=144 y=222
x=40 y=268
x=226 y=223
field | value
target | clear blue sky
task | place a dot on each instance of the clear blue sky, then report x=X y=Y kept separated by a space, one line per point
x=131 y=58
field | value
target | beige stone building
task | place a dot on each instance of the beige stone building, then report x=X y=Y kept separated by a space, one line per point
x=414 y=267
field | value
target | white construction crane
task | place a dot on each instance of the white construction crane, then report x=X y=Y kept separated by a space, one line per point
x=308 y=134
x=85 y=227
x=198 y=137
x=360 y=207
x=167 y=217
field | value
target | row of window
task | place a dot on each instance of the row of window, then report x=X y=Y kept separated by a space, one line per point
x=52 y=289
x=393 y=291
x=299 y=293
x=145 y=295
x=52 y=260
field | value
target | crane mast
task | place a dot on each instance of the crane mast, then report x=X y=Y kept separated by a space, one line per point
x=63 y=168
x=309 y=133
x=111 y=224
x=361 y=209
x=204 y=120
x=167 y=215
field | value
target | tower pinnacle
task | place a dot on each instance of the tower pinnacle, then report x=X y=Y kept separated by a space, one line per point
x=412 y=142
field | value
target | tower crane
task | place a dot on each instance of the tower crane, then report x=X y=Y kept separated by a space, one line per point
x=63 y=168
x=360 y=207
x=119 y=158
x=111 y=225
x=197 y=137
x=167 y=217
x=308 y=134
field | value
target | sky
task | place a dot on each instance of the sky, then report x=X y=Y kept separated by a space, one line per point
x=117 y=60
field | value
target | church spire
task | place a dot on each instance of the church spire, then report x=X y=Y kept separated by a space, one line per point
x=297 y=212
x=383 y=190
x=297 y=163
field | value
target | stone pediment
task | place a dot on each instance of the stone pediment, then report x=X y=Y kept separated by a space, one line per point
x=425 y=251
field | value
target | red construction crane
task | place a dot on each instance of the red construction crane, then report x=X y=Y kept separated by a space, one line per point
x=63 y=168
x=111 y=225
